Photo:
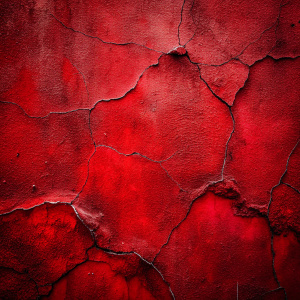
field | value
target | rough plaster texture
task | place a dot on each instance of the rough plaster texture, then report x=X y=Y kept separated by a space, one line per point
x=149 y=149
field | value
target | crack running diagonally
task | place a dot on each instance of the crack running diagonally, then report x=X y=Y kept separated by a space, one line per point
x=281 y=178
x=94 y=105
x=236 y=57
x=101 y=40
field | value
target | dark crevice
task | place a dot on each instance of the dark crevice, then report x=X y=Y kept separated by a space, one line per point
x=267 y=216
x=228 y=191
x=174 y=228
x=276 y=23
x=236 y=57
x=136 y=153
x=230 y=111
x=176 y=182
x=101 y=40
x=131 y=89
x=281 y=178
x=290 y=186
x=34 y=206
x=94 y=105
x=178 y=30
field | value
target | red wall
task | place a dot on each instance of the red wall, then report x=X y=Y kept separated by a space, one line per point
x=149 y=149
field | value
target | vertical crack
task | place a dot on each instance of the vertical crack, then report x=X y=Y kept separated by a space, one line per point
x=178 y=30
x=268 y=213
x=226 y=148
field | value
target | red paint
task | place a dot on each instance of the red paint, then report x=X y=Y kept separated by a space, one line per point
x=109 y=276
x=130 y=203
x=149 y=149
x=42 y=159
x=266 y=129
x=215 y=249
x=43 y=242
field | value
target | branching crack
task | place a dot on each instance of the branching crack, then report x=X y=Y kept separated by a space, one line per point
x=281 y=178
x=133 y=88
x=230 y=111
x=268 y=213
x=276 y=23
x=209 y=187
x=150 y=159
x=94 y=105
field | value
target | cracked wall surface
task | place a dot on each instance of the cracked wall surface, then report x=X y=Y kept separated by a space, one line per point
x=149 y=149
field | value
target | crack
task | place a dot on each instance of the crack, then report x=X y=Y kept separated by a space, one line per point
x=166 y=171
x=66 y=273
x=86 y=180
x=290 y=186
x=46 y=116
x=232 y=117
x=281 y=178
x=236 y=57
x=276 y=23
x=267 y=216
x=230 y=111
x=131 y=89
x=137 y=153
x=243 y=84
x=218 y=97
x=26 y=274
x=190 y=39
x=150 y=159
x=178 y=30
x=34 y=206
x=112 y=253
x=156 y=269
x=89 y=125
x=275 y=290
x=227 y=192
x=91 y=231
x=193 y=23
x=226 y=148
x=223 y=101
x=174 y=228
x=94 y=105
x=204 y=191
x=273 y=256
x=276 y=29
x=101 y=40
x=87 y=177
x=222 y=64
x=91 y=131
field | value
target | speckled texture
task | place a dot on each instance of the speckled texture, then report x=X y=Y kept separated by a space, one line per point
x=149 y=149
